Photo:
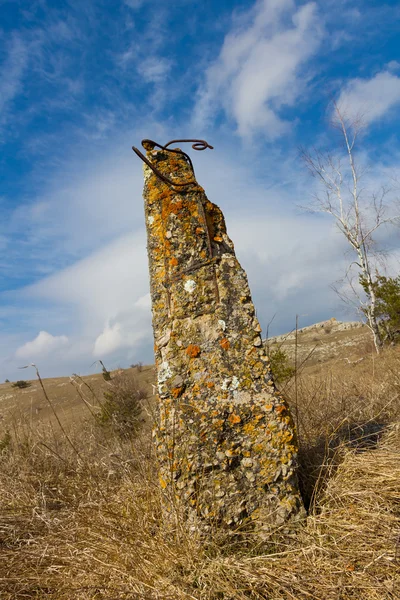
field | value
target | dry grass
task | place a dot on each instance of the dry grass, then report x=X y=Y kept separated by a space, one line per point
x=88 y=525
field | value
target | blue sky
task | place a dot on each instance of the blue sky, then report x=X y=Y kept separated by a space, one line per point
x=81 y=82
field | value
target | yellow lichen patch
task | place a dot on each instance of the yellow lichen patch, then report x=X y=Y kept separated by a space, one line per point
x=248 y=428
x=216 y=409
x=234 y=418
x=193 y=351
x=287 y=436
x=224 y=343
x=230 y=453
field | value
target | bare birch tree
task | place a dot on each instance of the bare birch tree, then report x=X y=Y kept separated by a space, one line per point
x=358 y=213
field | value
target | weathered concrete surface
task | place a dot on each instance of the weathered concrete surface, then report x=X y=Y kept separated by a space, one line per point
x=225 y=438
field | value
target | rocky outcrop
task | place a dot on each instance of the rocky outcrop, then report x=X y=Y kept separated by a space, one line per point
x=329 y=326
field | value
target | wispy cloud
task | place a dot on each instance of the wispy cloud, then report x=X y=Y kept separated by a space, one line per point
x=154 y=69
x=371 y=98
x=11 y=74
x=135 y=4
x=258 y=70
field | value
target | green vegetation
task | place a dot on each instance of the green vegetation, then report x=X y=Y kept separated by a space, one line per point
x=106 y=373
x=123 y=405
x=282 y=369
x=21 y=384
x=387 y=305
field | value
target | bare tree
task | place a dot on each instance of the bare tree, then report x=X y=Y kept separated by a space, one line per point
x=358 y=212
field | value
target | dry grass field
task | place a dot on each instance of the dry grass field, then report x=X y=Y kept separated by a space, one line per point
x=80 y=506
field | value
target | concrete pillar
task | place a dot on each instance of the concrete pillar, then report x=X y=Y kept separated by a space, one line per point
x=225 y=438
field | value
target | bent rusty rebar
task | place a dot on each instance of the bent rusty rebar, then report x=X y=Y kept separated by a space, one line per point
x=150 y=145
x=196 y=145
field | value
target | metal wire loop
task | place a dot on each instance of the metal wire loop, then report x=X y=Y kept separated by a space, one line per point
x=150 y=145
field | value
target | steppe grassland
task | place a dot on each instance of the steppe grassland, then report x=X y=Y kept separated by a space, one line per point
x=80 y=513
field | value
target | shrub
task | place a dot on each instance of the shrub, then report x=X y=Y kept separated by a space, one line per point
x=138 y=366
x=387 y=307
x=21 y=384
x=7 y=381
x=106 y=372
x=281 y=368
x=122 y=406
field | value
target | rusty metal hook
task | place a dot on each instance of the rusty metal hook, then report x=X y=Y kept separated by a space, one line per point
x=150 y=145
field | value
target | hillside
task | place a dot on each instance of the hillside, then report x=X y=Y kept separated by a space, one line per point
x=65 y=394
x=81 y=507
x=324 y=344
x=326 y=341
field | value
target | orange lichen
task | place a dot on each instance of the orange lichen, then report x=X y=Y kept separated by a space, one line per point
x=192 y=350
x=176 y=206
x=233 y=418
x=224 y=343
x=201 y=413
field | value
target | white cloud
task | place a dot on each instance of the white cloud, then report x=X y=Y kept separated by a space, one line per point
x=42 y=345
x=154 y=69
x=102 y=286
x=258 y=70
x=370 y=98
x=109 y=340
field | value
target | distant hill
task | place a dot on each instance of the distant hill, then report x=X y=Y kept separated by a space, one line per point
x=325 y=341
x=329 y=342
